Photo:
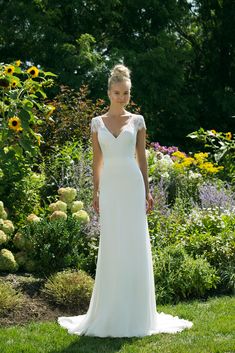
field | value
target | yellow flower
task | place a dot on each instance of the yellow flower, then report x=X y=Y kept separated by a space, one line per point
x=51 y=110
x=14 y=123
x=33 y=70
x=9 y=69
x=213 y=132
x=178 y=154
x=178 y=166
x=228 y=135
x=200 y=157
x=19 y=129
x=14 y=83
x=18 y=62
x=187 y=162
x=210 y=168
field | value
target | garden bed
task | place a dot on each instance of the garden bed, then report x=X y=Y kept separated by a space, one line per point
x=35 y=307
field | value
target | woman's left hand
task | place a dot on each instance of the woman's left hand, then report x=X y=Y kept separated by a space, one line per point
x=150 y=202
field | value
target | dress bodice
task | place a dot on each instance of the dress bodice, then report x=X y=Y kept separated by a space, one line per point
x=122 y=146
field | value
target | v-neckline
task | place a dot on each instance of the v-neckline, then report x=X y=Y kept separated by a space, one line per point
x=116 y=137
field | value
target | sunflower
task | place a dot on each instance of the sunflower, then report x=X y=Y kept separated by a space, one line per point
x=14 y=123
x=14 y=83
x=4 y=82
x=18 y=62
x=20 y=129
x=9 y=69
x=228 y=135
x=33 y=71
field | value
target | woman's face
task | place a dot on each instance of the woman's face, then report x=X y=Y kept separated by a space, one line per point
x=119 y=93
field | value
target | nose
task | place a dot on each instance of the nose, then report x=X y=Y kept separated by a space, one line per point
x=122 y=98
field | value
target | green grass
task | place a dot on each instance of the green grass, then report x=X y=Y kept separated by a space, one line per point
x=213 y=332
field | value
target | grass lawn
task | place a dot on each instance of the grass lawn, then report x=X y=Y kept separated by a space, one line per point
x=213 y=332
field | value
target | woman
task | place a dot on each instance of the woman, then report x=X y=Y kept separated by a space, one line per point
x=123 y=302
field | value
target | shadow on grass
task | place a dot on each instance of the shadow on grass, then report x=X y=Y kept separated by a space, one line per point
x=88 y=344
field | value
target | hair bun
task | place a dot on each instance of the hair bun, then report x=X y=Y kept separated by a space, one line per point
x=120 y=71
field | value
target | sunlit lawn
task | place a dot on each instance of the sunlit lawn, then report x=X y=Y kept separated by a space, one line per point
x=213 y=332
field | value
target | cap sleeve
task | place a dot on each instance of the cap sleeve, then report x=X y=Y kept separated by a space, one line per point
x=140 y=123
x=94 y=124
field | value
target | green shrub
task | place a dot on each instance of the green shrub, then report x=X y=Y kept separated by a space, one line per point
x=56 y=244
x=69 y=165
x=7 y=261
x=212 y=236
x=178 y=276
x=219 y=251
x=9 y=298
x=69 y=288
x=22 y=111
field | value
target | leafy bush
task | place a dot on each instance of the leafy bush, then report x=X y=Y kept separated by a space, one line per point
x=9 y=298
x=57 y=244
x=222 y=146
x=21 y=111
x=70 y=288
x=71 y=119
x=216 y=195
x=178 y=276
x=68 y=166
x=179 y=174
x=211 y=234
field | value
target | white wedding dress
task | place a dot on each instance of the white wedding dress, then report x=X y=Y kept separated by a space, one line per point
x=123 y=300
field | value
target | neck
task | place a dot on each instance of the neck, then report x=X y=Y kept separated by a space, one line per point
x=116 y=111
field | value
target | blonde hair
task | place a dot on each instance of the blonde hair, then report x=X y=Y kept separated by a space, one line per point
x=119 y=73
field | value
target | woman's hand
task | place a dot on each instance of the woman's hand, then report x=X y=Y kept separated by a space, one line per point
x=95 y=203
x=150 y=202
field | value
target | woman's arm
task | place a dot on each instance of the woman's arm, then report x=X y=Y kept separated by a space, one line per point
x=142 y=161
x=141 y=156
x=96 y=167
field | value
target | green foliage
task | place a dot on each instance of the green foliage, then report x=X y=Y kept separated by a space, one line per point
x=9 y=298
x=71 y=119
x=179 y=276
x=180 y=54
x=208 y=233
x=71 y=289
x=21 y=101
x=68 y=165
x=222 y=146
x=179 y=176
x=212 y=235
x=25 y=195
x=21 y=111
x=57 y=244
